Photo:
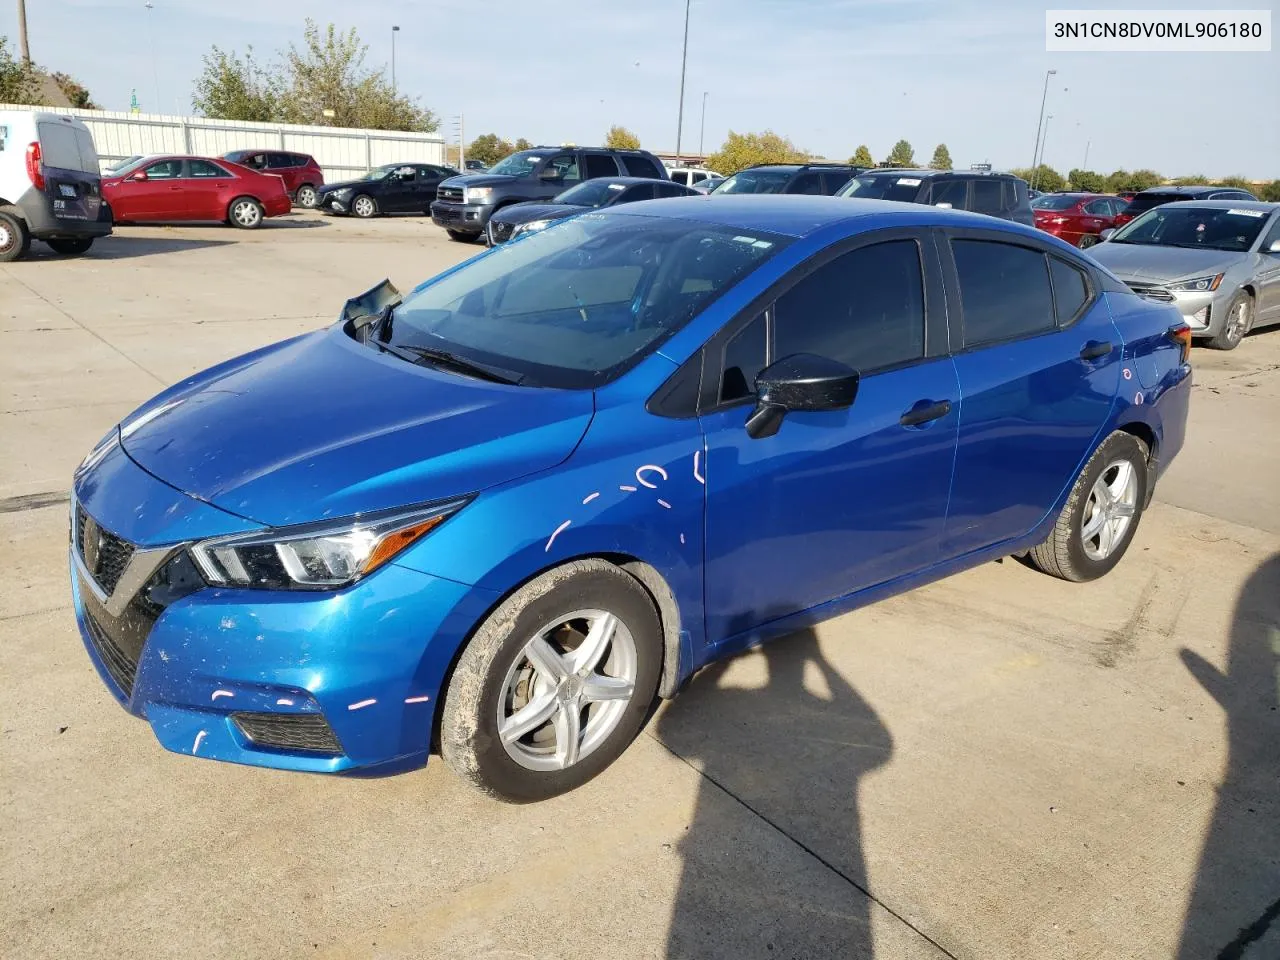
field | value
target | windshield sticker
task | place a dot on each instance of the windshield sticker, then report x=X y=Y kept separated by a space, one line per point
x=1244 y=213
x=762 y=244
x=750 y=240
x=909 y=181
x=617 y=186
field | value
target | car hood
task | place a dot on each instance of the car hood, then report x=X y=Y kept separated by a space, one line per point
x=531 y=210
x=1162 y=263
x=478 y=180
x=344 y=184
x=322 y=426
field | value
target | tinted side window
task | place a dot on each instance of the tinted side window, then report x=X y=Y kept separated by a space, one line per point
x=744 y=358
x=1272 y=236
x=1015 y=194
x=1099 y=208
x=641 y=191
x=165 y=170
x=638 y=166
x=1004 y=290
x=986 y=197
x=864 y=308
x=1070 y=290
x=202 y=168
x=810 y=183
x=835 y=179
x=950 y=191
x=670 y=190
x=600 y=165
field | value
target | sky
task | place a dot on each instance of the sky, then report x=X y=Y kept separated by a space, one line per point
x=828 y=74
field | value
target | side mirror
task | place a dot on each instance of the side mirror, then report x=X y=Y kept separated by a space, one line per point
x=1274 y=247
x=549 y=173
x=140 y=176
x=801 y=381
x=1105 y=235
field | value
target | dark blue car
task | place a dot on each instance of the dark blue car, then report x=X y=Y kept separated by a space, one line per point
x=505 y=511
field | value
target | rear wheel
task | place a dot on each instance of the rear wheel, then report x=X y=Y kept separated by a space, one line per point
x=1101 y=516
x=71 y=247
x=1239 y=320
x=555 y=684
x=307 y=196
x=15 y=241
x=460 y=236
x=245 y=213
x=364 y=207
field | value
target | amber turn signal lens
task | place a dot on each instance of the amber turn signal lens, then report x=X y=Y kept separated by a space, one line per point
x=397 y=540
x=1181 y=334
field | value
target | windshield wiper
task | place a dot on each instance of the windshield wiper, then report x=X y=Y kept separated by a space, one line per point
x=442 y=358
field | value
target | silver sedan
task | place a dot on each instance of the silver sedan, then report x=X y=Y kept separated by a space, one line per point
x=1218 y=261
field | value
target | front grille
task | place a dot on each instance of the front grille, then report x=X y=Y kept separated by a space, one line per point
x=105 y=555
x=452 y=194
x=305 y=732
x=120 y=665
x=1151 y=291
x=501 y=231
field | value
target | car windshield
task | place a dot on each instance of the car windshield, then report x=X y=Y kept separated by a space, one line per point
x=882 y=187
x=1054 y=202
x=577 y=303
x=756 y=181
x=124 y=166
x=518 y=164
x=1202 y=228
x=593 y=193
x=381 y=173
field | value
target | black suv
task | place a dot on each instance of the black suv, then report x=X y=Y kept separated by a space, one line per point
x=996 y=194
x=815 y=179
x=466 y=203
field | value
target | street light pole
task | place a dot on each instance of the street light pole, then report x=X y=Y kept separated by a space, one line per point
x=151 y=33
x=394 y=31
x=702 y=128
x=1035 y=176
x=22 y=32
x=1087 y=144
x=684 y=60
x=1040 y=123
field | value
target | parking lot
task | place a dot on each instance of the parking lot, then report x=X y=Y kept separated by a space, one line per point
x=1000 y=765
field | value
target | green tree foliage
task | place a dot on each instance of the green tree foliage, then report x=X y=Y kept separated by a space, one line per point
x=235 y=88
x=1191 y=180
x=1237 y=181
x=1138 y=180
x=941 y=158
x=741 y=150
x=327 y=73
x=1043 y=178
x=75 y=92
x=523 y=144
x=620 y=138
x=901 y=155
x=489 y=148
x=1271 y=192
x=862 y=157
x=19 y=82
x=1086 y=181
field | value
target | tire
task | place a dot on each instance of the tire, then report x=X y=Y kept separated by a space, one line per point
x=72 y=247
x=1238 y=323
x=1067 y=553
x=307 y=197
x=460 y=237
x=364 y=206
x=15 y=240
x=245 y=213
x=1087 y=240
x=496 y=677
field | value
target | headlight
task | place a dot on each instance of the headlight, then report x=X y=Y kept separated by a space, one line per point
x=344 y=192
x=313 y=556
x=477 y=194
x=533 y=226
x=1199 y=284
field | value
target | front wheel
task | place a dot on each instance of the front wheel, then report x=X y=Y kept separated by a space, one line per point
x=72 y=246
x=245 y=213
x=1239 y=320
x=15 y=240
x=555 y=684
x=364 y=207
x=1101 y=516
x=307 y=197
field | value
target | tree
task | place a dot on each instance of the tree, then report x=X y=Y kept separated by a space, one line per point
x=231 y=88
x=1136 y=181
x=862 y=157
x=1086 y=180
x=1237 y=181
x=489 y=148
x=941 y=158
x=75 y=92
x=1146 y=179
x=901 y=155
x=19 y=81
x=620 y=138
x=1192 y=180
x=1043 y=177
x=741 y=150
x=1270 y=192
x=523 y=144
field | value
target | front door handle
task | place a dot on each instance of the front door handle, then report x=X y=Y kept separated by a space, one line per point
x=1095 y=350
x=925 y=412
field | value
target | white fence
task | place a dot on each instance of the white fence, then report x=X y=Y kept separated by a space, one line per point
x=341 y=151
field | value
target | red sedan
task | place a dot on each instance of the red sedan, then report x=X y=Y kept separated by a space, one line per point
x=1077 y=218
x=194 y=188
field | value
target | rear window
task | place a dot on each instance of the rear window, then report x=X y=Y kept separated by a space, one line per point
x=1054 y=202
x=61 y=147
x=600 y=165
x=882 y=187
x=1146 y=201
x=637 y=166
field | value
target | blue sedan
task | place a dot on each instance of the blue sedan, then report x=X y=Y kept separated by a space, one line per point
x=503 y=513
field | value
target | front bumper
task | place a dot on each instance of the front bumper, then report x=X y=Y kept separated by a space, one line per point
x=333 y=203
x=234 y=674
x=461 y=217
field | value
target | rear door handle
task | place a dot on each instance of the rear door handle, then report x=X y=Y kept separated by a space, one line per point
x=924 y=412
x=1095 y=350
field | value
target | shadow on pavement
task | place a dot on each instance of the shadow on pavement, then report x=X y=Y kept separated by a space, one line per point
x=1236 y=898
x=117 y=247
x=790 y=752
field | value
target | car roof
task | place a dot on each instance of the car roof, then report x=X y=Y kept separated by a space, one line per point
x=800 y=216
x=799 y=166
x=1192 y=189
x=1259 y=205
x=924 y=172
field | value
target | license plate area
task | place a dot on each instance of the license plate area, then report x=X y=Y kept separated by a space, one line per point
x=67 y=190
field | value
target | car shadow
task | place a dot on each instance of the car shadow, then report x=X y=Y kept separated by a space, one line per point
x=1235 y=901
x=124 y=247
x=776 y=759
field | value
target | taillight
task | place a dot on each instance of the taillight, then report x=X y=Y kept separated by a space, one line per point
x=35 y=169
x=1180 y=333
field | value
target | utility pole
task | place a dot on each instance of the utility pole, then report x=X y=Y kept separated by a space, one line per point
x=684 y=60
x=1040 y=123
x=155 y=74
x=394 y=31
x=22 y=32
x=1087 y=145
x=702 y=128
x=1035 y=173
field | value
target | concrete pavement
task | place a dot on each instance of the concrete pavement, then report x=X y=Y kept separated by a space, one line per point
x=1000 y=765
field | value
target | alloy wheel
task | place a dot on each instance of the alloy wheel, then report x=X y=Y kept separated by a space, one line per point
x=363 y=207
x=246 y=213
x=1237 y=321
x=307 y=197
x=1109 y=511
x=567 y=690
x=1087 y=241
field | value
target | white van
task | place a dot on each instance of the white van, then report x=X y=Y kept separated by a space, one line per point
x=50 y=187
x=689 y=176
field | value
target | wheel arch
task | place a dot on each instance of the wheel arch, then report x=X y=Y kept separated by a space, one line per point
x=1143 y=431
